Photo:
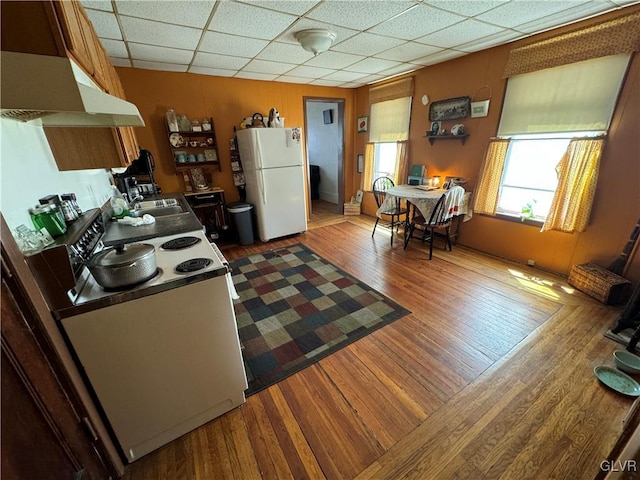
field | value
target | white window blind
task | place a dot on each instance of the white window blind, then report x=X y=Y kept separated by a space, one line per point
x=389 y=120
x=577 y=97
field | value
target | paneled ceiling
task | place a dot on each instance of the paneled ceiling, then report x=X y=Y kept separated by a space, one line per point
x=375 y=39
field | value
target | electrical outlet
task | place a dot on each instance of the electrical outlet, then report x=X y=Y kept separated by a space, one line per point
x=531 y=263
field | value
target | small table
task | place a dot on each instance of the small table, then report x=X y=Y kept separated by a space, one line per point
x=424 y=201
x=210 y=207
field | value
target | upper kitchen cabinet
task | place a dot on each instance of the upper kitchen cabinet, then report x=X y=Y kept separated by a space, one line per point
x=62 y=28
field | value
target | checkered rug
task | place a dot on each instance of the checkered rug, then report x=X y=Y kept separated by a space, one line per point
x=296 y=308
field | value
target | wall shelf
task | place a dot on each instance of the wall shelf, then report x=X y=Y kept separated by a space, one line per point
x=462 y=138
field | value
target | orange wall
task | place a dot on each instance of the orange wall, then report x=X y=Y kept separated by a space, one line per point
x=227 y=101
x=617 y=203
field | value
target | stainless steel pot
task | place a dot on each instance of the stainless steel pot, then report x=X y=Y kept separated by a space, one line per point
x=123 y=266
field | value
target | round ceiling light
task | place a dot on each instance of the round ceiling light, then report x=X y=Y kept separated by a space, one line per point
x=315 y=40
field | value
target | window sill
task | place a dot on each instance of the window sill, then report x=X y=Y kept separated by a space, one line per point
x=516 y=219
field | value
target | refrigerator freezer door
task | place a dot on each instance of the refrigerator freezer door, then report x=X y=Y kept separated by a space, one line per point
x=269 y=148
x=279 y=200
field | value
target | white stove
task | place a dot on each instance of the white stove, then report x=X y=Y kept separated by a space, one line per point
x=190 y=250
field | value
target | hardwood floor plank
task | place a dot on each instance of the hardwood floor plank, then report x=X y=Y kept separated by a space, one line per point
x=490 y=376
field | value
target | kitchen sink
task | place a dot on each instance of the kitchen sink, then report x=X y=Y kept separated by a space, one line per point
x=158 y=211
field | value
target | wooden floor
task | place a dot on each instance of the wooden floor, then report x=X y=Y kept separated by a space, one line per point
x=490 y=376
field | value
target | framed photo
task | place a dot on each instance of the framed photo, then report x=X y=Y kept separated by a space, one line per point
x=479 y=109
x=435 y=129
x=363 y=124
x=328 y=116
x=360 y=164
x=450 y=109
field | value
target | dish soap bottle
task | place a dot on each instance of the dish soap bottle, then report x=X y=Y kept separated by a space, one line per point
x=119 y=204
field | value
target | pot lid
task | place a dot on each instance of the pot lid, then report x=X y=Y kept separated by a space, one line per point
x=120 y=256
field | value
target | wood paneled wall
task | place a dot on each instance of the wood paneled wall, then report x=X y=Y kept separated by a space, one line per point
x=617 y=204
x=228 y=101
x=479 y=75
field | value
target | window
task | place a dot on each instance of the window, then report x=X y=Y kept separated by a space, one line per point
x=385 y=160
x=549 y=116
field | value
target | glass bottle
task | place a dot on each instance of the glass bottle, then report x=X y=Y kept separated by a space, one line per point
x=172 y=120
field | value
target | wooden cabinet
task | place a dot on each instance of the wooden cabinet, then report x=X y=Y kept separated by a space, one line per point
x=62 y=28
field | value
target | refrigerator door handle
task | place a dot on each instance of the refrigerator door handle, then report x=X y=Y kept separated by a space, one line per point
x=262 y=189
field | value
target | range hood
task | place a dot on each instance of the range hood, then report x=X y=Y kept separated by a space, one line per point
x=51 y=92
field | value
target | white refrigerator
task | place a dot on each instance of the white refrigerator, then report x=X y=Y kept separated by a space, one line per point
x=273 y=167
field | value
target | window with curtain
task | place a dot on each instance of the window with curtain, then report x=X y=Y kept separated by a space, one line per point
x=545 y=114
x=389 y=115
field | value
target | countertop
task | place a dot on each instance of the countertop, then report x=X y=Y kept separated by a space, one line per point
x=117 y=233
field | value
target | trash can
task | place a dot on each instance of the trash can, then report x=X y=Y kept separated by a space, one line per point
x=241 y=216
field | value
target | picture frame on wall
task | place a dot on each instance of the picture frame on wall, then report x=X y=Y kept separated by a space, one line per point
x=360 y=163
x=363 y=124
x=450 y=109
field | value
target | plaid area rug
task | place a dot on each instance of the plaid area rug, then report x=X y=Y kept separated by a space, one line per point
x=296 y=308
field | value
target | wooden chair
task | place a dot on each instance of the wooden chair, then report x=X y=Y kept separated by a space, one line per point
x=380 y=187
x=436 y=221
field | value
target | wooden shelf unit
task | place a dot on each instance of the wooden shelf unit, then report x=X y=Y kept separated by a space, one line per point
x=206 y=140
x=462 y=138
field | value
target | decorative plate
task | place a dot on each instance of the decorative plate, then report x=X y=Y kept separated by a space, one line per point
x=176 y=140
x=618 y=381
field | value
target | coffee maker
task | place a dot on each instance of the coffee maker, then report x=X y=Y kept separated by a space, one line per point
x=137 y=180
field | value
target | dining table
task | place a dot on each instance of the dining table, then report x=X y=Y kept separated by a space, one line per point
x=424 y=199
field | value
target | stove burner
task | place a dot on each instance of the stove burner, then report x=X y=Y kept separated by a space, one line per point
x=179 y=243
x=193 y=265
x=134 y=285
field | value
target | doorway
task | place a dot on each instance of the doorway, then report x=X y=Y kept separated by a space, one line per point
x=324 y=140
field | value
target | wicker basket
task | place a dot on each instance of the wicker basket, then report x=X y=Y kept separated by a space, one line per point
x=600 y=283
x=352 y=208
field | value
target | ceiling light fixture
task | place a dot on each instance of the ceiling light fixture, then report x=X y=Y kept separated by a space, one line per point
x=315 y=40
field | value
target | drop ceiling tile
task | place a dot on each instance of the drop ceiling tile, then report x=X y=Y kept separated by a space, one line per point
x=306 y=24
x=263 y=66
x=120 y=62
x=439 y=57
x=408 y=51
x=299 y=7
x=366 y=44
x=189 y=14
x=168 y=67
x=499 y=38
x=417 y=22
x=291 y=79
x=335 y=60
x=465 y=7
x=518 y=12
x=218 y=72
x=358 y=15
x=241 y=19
x=372 y=65
x=151 y=53
x=97 y=5
x=352 y=85
x=156 y=33
x=460 y=33
x=277 y=51
x=343 y=76
x=399 y=70
x=309 y=72
x=214 y=42
x=370 y=79
x=566 y=16
x=256 y=76
x=326 y=83
x=105 y=24
x=115 y=48
x=211 y=60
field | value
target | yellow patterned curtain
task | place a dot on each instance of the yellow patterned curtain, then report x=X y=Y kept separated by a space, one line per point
x=367 y=178
x=486 y=194
x=577 y=179
x=402 y=161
